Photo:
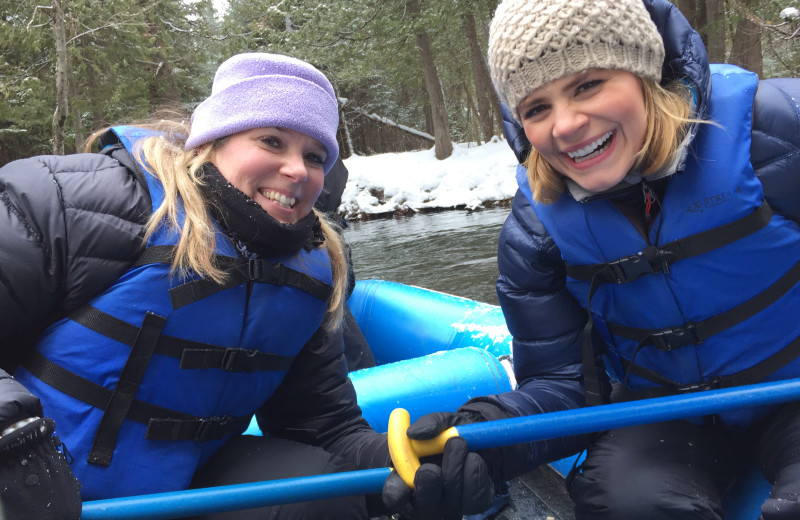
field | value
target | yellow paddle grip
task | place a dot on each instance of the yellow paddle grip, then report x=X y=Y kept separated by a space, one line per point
x=406 y=452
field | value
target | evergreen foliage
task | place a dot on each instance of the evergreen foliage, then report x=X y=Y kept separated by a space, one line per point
x=130 y=58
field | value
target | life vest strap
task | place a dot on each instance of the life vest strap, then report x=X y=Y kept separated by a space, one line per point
x=752 y=375
x=672 y=338
x=197 y=428
x=122 y=397
x=657 y=259
x=193 y=355
x=240 y=270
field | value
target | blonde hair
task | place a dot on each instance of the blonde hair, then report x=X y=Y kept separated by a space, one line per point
x=178 y=170
x=667 y=111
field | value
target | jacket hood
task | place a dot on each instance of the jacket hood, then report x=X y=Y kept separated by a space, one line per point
x=685 y=59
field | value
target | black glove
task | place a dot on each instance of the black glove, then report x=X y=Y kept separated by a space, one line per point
x=35 y=478
x=448 y=486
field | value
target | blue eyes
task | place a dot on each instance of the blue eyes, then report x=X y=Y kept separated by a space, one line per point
x=588 y=85
x=314 y=158
x=275 y=142
x=533 y=111
x=536 y=110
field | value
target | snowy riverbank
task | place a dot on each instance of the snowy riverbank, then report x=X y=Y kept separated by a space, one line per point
x=404 y=183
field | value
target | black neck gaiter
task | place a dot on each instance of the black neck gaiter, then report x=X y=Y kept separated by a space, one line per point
x=247 y=222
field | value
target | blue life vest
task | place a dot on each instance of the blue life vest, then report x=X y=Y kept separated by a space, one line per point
x=708 y=298
x=149 y=378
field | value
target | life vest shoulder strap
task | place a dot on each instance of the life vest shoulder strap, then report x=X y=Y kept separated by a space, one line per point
x=241 y=270
x=657 y=259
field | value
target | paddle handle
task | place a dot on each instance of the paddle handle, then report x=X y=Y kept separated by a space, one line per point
x=405 y=452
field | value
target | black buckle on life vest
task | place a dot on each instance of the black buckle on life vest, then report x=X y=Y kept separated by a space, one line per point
x=651 y=260
x=711 y=384
x=211 y=428
x=675 y=337
x=238 y=360
x=259 y=270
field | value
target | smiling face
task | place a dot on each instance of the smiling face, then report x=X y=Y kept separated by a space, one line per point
x=279 y=168
x=589 y=125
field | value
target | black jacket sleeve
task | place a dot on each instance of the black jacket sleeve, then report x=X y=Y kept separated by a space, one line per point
x=70 y=225
x=316 y=404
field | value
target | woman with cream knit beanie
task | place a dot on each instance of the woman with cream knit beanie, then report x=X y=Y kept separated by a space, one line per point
x=655 y=223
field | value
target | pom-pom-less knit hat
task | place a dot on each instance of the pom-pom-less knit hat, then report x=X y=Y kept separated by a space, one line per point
x=532 y=42
x=255 y=90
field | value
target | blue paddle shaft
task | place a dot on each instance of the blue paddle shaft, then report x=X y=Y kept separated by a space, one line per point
x=178 y=504
x=479 y=436
x=620 y=415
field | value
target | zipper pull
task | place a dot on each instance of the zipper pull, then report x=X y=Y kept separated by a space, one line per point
x=648 y=202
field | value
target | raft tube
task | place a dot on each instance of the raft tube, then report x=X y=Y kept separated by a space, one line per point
x=422 y=321
x=439 y=382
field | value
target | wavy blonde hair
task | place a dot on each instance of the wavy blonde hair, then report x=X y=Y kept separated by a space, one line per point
x=178 y=171
x=667 y=111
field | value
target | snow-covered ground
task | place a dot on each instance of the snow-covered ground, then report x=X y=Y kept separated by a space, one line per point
x=412 y=181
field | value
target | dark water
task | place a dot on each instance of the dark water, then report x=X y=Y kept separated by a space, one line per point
x=451 y=251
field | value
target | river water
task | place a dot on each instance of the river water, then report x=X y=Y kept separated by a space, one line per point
x=450 y=251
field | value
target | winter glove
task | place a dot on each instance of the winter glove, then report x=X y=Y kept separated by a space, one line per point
x=448 y=486
x=35 y=479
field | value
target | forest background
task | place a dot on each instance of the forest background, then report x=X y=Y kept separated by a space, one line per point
x=410 y=74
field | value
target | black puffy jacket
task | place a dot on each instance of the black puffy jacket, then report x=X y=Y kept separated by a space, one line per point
x=71 y=225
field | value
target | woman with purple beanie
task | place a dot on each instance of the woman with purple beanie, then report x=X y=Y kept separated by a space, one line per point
x=156 y=294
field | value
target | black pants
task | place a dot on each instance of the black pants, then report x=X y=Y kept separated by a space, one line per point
x=251 y=459
x=678 y=470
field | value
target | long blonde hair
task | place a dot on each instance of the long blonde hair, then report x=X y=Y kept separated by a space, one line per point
x=667 y=111
x=178 y=170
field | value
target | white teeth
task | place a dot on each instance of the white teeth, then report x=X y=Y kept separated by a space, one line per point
x=282 y=200
x=587 y=151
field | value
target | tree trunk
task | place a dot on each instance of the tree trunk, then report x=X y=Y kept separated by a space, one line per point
x=746 y=49
x=441 y=127
x=92 y=89
x=484 y=92
x=715 y=30
x=60 y=114
x=163 y=90
x=77 y=120
x=470 y=123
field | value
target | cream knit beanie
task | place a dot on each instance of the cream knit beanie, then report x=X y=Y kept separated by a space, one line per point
x=532 y=42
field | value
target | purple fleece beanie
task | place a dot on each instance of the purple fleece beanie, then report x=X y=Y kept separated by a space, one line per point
x=254 y=90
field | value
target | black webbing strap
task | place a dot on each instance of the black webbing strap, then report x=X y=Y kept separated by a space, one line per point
x=156 y=255
x=694 y=333
x=193 y=355
x=198 y=429
x=252 y=270
x=658 y=259
x=105 y=439
x=752 y=375
x=241 y=270
x=650 y=261
x=591 y=379
x=156 y=417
